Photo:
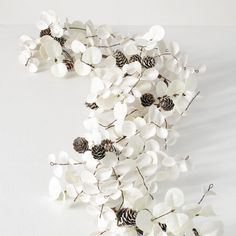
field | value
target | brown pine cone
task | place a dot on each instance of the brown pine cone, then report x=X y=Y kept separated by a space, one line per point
x=126 y=217
x=167 y=104
x=163 y=227
x=108 y=145
x=80 y=145
x=69 y=64
x=92 y=105
x=98 y=152
x=61 y=40
x=121 y=59
x=148 y=62
x=134 y=58
x=147 y=99
x=195 y=232
x=45 y=32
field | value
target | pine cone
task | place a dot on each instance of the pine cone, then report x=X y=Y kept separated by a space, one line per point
x=92 y=106
x=80 y=145
x=126 y=217
x=134 y=58
x=108 y=145
x=98 y=152
x=69 y=64
x=163 y=227
x=45 y=32
x=195 y=232
x=167 y=104
x=61 y=40
x=148 y=62
x=147 y=99
x=121 y=59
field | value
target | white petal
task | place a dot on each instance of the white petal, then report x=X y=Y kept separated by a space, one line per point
x=90 y=188
x=128 y=128
x=174 y=47
x=155 y=116
x=162 y=133
x=88 y=177
x=148 y=131
x=176 y=87
x=32 y=67
x=191 y=84
x=92 y=56
x=156 y=33
x=120 y=111
x=54 y=188
x=150 y=74
x=59 y=70
x=160 y=209
x=77 y=46
x=97 y=85
x=152 y=145
x=161 y=89
x=103 y=32
x=174 y=198
x=53 y=49
x=81 y=68
x=207 y=211
x=71 y=191
x=144 y=221
x=168 y=161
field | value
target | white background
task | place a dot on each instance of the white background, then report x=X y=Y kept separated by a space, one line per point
x=124 y=12
x=40 y=114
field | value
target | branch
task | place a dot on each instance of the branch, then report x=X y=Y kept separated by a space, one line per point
x=145 y=185
x=204 y=195
x=190 y=102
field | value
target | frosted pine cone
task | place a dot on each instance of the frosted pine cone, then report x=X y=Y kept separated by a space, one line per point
x=92 y=105
x=61 y=40
x=163 y=227
x=108 y=145
x=45 y=32
x=167 y=104
x=195 y=232
x=98 y=152
x=134 y=58
x=147 y=99
x=80 y=145
x=69 y=64
x=121 y=59
x=126 y=217
x=148 y=62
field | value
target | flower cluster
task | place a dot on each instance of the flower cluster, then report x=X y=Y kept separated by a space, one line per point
x=140 y=88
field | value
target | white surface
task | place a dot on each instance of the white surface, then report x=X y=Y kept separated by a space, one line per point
x=40 y=114
x=124 y=12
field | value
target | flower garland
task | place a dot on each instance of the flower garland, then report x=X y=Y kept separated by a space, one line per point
x=140 y=88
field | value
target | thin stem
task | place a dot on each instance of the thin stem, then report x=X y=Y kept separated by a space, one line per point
x=75 y=199
x=144 y=183
x=204 y=195
x=165 y=214
x=101 y=211
x=190 y=102
x=65 y=164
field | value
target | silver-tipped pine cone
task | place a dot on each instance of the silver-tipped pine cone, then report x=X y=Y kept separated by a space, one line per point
x=167 y=104
x=126 y=217
x=135 y=58
x=121 y=59
x=80 y=145
x=147 y=99
x=148 y=62
x=92 y=105
x=69 y=64
x=98 y=152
